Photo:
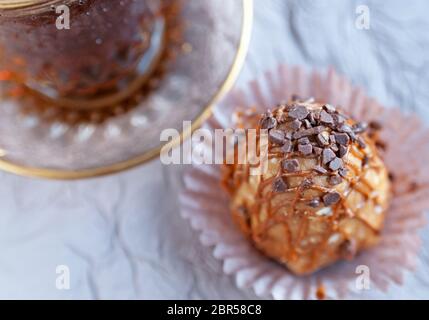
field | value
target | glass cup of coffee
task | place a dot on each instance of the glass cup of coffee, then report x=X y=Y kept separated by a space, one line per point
x=79 y=52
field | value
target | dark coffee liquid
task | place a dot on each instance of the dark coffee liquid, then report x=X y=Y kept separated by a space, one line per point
x=102 y=49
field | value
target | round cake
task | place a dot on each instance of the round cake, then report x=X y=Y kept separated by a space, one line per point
x=324 y=194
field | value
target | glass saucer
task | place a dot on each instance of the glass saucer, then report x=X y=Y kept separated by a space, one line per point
x=46 y=144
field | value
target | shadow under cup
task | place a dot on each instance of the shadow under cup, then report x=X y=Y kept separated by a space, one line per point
x=80 y=50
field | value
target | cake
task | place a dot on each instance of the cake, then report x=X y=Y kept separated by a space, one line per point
x=325 y=192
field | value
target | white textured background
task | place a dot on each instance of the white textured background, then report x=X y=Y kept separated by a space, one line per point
x=122 y=237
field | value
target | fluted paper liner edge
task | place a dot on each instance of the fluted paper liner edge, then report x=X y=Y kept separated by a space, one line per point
x=207 y=208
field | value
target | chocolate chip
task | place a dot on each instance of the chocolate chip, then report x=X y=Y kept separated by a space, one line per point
x=326 y=117
x=280 y=185
x=288 y=135
x=331 y=198
x=365 y=160
x=318 y=129
x=336 y=164
x=342 y=151
x=348 y=249
x=268 y=122
x=332 y=138
x=306 y=183
x=304 y=140
x=345 y=128
x=320 y=169
x=276 y=136
x=317 y=151
x=361 y=143
x=360 y=127
x=290 y=165
x=308 y=132
x=300 y=134
x=323 y=138
x=287 y=146
x=339 y=119
x=334 y=147
x=298 y=112
x=329 y=108
x=328 y=155
x=334 y=180
x=314 y=203
x=295 y=124
x=305 y=149
x=342 y=138
x=352 y=136
x=343 y=172
x=307 y=123
x=311 y=118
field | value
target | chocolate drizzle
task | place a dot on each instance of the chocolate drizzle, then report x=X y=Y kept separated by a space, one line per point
x=327 y=138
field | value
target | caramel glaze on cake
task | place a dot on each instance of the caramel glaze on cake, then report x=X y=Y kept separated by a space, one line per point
x=324 y=195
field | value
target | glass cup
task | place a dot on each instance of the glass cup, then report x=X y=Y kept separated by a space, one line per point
x=78 y=50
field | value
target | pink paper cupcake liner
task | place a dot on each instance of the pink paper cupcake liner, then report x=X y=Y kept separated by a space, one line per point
x=406 y=155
